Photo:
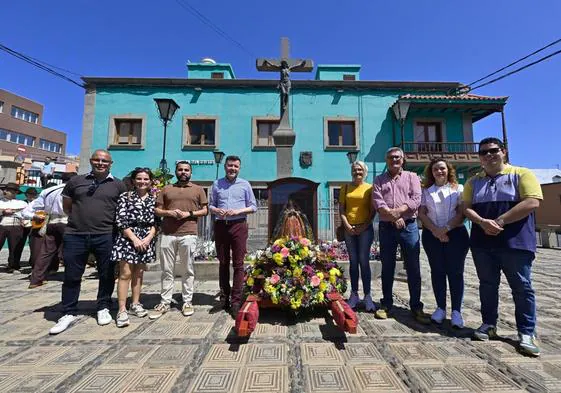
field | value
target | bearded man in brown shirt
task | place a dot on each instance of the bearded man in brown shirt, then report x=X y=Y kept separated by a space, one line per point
x=180 y=205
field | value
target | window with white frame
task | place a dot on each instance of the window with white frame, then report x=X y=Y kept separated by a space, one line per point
x=50 y=146
x=429 y=135
x=22 y=114
x=341 y=133
x=262 y=131
x=128 y=132
x=16 y=137
x=200 y=132
x=1 y=106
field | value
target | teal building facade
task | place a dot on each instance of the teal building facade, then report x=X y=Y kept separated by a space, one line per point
x=332 y=115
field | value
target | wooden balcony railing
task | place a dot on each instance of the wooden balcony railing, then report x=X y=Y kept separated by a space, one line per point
x=454 y=151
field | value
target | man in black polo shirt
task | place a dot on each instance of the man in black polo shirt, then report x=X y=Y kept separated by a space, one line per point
x=90 y=202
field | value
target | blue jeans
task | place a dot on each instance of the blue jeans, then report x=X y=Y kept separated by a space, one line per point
x=76 y=249
x=408 y=239
x=517 y=266
x=358 y=247
x=447 y=260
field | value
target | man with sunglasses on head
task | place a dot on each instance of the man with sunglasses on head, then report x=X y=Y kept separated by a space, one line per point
x=90 y=202
x=180 y=204
x=500 y=201
x=396 y=196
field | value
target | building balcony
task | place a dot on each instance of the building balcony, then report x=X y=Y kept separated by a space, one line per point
x=455 y=152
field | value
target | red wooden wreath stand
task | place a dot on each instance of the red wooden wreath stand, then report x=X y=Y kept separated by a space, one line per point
x=246 y=321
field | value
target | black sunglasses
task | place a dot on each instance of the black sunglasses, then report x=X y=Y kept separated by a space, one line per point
x=493 y=150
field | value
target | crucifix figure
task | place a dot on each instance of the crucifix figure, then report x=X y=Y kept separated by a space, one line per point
x=284 y=136
x=284 y=65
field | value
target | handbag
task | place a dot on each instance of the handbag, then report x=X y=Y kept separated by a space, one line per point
x=340 y=230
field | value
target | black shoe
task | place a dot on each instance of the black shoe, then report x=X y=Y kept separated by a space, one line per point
x=226 y=304
x=235 y=310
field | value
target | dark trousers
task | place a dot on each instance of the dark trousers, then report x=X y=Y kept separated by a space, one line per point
x=14 y=234
x=35 y=244
x=447 y=261
x=49 y=258
x=231 y=237
x=358 y=247
x=408 y=239
x=76 y=249
x=517 y=267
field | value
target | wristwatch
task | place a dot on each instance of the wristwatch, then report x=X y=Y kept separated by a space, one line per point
x=190 y=213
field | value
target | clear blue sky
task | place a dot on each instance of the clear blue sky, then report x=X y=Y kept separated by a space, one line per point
x=437 y=40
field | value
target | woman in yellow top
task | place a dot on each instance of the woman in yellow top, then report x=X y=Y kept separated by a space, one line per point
x=357 y=213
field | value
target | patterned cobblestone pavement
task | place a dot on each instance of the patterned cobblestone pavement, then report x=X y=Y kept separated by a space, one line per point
x=285 y=354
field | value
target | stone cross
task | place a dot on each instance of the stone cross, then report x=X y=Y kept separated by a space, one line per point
x=284 y=136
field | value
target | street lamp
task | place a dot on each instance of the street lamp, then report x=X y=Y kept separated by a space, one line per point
x=352 y=155
x=166 y=108
x=218 y=156
x=400 y=109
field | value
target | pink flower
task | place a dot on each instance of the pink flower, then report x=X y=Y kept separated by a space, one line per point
x=315 y=281
x=275 y=279
x=305 y=242
x=285 y=252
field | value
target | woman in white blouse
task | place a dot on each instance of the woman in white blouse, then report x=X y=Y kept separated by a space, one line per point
x=445 y=238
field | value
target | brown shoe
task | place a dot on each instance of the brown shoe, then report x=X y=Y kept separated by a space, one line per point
x=421 y=317
x=32 y=286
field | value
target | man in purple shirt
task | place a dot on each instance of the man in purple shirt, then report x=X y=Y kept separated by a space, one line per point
x=397 y=196
x=231 y=200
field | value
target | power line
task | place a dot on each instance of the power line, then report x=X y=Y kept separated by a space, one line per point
x=516 y=62
x=197 y=14
x=39 y=64
x=517 y=70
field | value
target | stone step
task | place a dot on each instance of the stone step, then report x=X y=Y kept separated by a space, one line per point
x=208 y=270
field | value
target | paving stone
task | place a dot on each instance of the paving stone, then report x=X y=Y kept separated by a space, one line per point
x=148 y=380
x=545 y=375
x=485 y=378
x=414 y=353
x=216 y=380
x=38 y=381
x=171 y=355
x=267 y=330
x=437 y=378
x=361 y=353
x=327 y=379
x=320 y=353
x=259 y=379
x=264 y=354
x=102 y=380
x=373 y=378
x=225 y=355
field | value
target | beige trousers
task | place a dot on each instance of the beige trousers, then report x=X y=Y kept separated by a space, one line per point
x=180 y=249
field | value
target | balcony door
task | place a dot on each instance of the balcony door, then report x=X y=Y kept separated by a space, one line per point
x=428 y=136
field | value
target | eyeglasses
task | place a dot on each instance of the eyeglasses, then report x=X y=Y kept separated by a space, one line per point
x=100 y=161
x=493 y=150
x=395 y=158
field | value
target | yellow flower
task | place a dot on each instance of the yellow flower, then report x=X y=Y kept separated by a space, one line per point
x=303 y=252
x=297 y=272
x=280 y=241
x=333 y=279
x=275 y=299
x=250 y=281
x=277 y=257
x=320 y=275
x=295 y=304
x=299 y=294
x=335 y=272
x=319 y=297
x=256 y=272
x=292 y=260
x=322 y=285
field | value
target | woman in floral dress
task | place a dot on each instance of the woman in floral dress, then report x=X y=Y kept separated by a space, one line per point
x=135 y=244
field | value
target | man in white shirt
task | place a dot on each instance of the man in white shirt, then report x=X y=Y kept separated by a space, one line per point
x=11 y=227
x=49 y=202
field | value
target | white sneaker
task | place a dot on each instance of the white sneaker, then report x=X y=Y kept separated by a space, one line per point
x=438 y=316
x=103 y=317
x=456 y=320
x=123 y=319
x=62 y=324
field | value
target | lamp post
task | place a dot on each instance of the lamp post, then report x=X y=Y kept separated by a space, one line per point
x=400 y=109
x=352 y=155
x=218 y=156
x=166 y=109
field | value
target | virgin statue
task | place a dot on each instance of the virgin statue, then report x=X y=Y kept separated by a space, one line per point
x=292 y=222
